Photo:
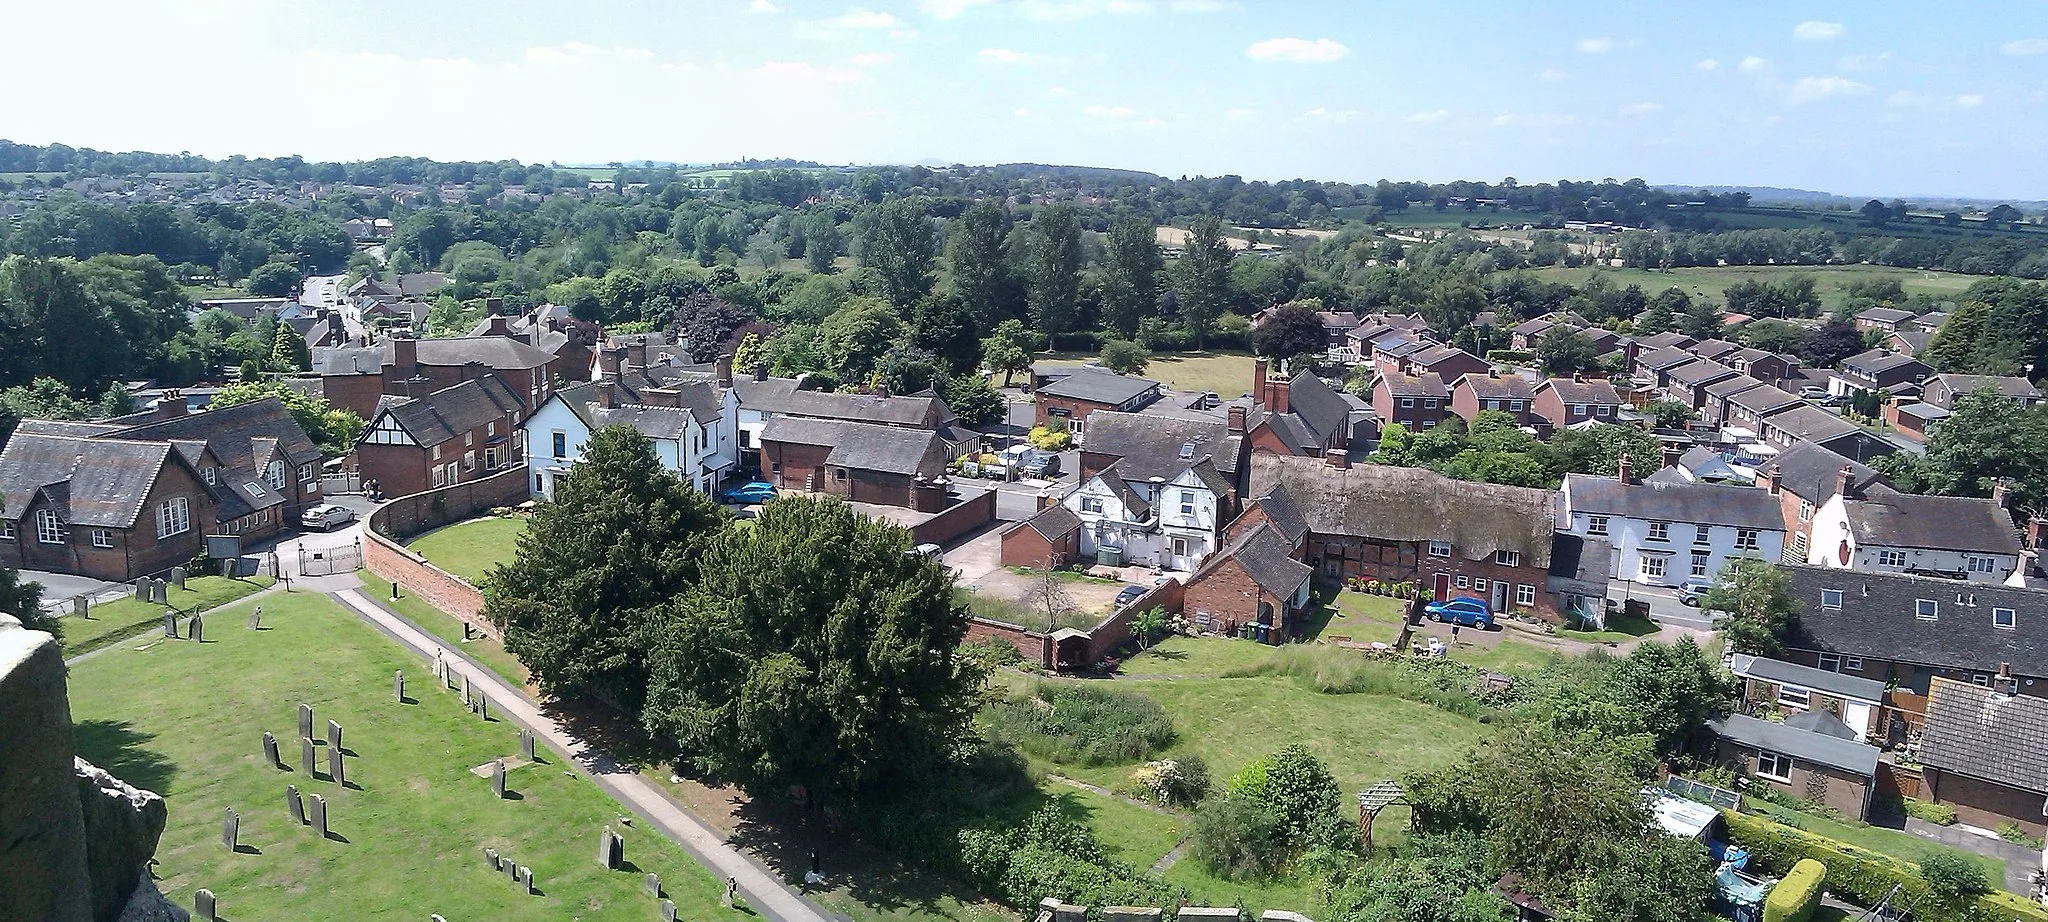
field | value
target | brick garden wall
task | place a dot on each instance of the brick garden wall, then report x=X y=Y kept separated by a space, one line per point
x=964 y=516
x=1030 y=644
x=406 y=516
x=1115 y=630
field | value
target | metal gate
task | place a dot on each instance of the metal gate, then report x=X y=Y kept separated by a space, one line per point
x=327 y=561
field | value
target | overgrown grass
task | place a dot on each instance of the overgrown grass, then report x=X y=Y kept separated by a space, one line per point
x=470 y=549
x=1011 y=611
x=1197 y=656
x=1083 y=725
x=113 y=622
x=1337 y=671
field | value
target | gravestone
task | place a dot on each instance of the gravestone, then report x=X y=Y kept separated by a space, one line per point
x=653 y=883
x=610 y=849
x=732 y=889
x=294 y=804
x=436 y=917
x=398 y=686
x=171 y=625
x=142 y=590
x=196 y=628
x=465 y=693
x=204 y=906
x=319 y=814
x=305 y=721
x=526 y=879
x=81 y=607
x=333 y=735
x=230 y=829
x=526 y=745
x=159 y=592
x=668 y=911
x=178 y=577
x=270 y=749
x=306 y=756
x=483 y=707
x=334 y=766
x=255 y=621
x=511 y=869
x=498 y=778
x=491 y=858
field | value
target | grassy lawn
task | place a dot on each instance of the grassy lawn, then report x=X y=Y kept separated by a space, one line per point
x=1229 y=374
x=1209 y=657
x=447 y=627
x=1710 y=281
x=113 y=622
x=1360 y=616
x=470 y=549
x=1885 y=841
x=1133 y=834
x=1064 y=576
x=408 y=831
x=1511 y=656
x=1619 y=628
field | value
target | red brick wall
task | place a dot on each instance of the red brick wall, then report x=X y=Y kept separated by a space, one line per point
x=1982 y=803
x=407 y=516
x=1339 y=557
x=790 y=466
x=412 y=573
x=1838 y=789
x=1115 y=630
x=354 y=392
x=964 y=516
x=398 y=469
x=1030 y=644
x=136 y=551
x=1076 y=409
x=1230 y=597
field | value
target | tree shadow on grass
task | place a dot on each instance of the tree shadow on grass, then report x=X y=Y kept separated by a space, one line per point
x=609 y=731
x=118 y=747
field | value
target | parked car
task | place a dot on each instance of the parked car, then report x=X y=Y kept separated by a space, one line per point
x=928 y=550
x=327 y=517
x=1024 y=460
x=1465 y=611
x=1813 y=393
x=1692 y=591
x=1128 y=595
x=752 y=492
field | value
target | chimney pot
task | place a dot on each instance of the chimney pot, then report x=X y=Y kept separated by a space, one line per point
x=761 y=371
x=725 y=371
x=1259 y=369
x=1236 y=423
x=604 y=395
x=1777 y=479
x=1845 y=481
x=636 y=352
x=1337 y=458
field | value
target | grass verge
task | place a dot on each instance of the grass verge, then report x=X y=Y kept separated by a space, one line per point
x=470 y=549
x=112 y=622
x=447 y=627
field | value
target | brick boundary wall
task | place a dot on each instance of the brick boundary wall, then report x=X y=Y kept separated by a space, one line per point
x=406 y=516
x=963 y=517
x=1030 y=644
x=1115 y=630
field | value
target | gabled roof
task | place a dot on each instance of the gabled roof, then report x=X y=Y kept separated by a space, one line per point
x=1427 y=384
x=1437 y=355
x=1135 y=507
x=348 y=360
x=1699 y=503
x=1729 y=387
x=1713 y=349
x=1827 y=680
x=500 y=352
x=237 y=434
x=1878 y=361
x=1412 y=505
x=1311 y=398
x=1764 y=400
x=1950 y=523
x=1267 y=557
x=452 y=411
x=1669 y=339
x=2003 y=385
x=1052 y=523
x=1885 y=315
x=1980 y=733
x=1810 y=471
x=1661 y=359
x=666 y=423
x=1805 y=745
x=1279 y=507
x=1496 y=387
x=1150 y=445
x=99 y=482
x=1698 y=373
x=864 y=446
x=1098 y=386
x=1879 y=619
x=1593 y=391
x=1810 y=422
x=781 y=396
x=1534 y=326
x=1912 y=341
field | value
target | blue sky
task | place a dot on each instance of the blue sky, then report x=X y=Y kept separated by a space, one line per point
x=1856 y=98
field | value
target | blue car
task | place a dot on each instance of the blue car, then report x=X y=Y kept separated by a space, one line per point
x=759 y=491
x=1465 y=612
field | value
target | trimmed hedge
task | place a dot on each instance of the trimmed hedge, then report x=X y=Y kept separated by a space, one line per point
x=1797 y=895
x=1864 y=877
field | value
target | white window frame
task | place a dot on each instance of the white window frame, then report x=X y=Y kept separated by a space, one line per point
x=1891 y=560
x=1926 y=610
x=1746 y=539
x=1603 y=410
x=1596 y=525
x=1091 y=504
x=1702 y=534
x=1180 y=546
x=1187 y=502
x=1852 y=664
x=1660 y=531
x=1579 y=409
x=1651 y=566
x=1525 y=594
x=102 y=538
x=208 y=473
x=173 y=517
x=1780 y=766
x=1976 y=564
x=1831 y=662
x=1805 y=511
x=1700 y=559
x=1508 y=558
x=255 y=489
x=1797 y=696
x=2005 y=618
x=275 y=474
x=1439 y=548
x=48 y=529
x=6 y=531
x=1461 y=581
x=307 y=473
x=1407 y=403
x=1836 y=595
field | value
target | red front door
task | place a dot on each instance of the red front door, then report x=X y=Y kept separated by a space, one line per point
x=1441 y=587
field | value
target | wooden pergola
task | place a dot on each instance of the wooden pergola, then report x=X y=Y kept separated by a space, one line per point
x=1372 y=800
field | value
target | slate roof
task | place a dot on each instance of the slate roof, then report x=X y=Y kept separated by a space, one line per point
x=1498 y=387
x=1885 y=315
x=1267 y=557
x=1699 y=373
x=1702 y=503
x=1593 y=391
x=1821 y=722
x=781 y=396
x=98 y=482
x=1805 y=745
x=1713 y=349
x=1052 y=523
x=1311 y=398
x=1533 y=327
x=1103 y=387
x=1810 y=422
x=1427 y=384
x=1809 y=471
x=348 y=360
x=500 y=352
x=864 y=446
x=1578 y=562
x=1661 y=359
x=1913 y=340
x=1878 y=620
x=1135 y=507
x=242 y=436
x=451 y=411
x=1954 y=523
x=1764 y=400
x=1412 y=504
x=1149 y=445
x=1827 y=680
x=1669 y=339
x=2003 y=385
x=1878 y=361
x=1437 y=354
x=1732 y=386
x=1980 y=733
x=667 y=423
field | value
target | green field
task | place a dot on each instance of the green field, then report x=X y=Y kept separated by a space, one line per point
x=470 y=549
x=1229 y=374
x=1362 y=617
x=407 y=832
x=112 y=622
x=1710 y=281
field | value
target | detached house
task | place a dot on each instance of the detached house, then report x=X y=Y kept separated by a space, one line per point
x=1565 y=402
x=1666 y=533
x=693 y=424
x=452 y=435
x=1511 y=394
x=1954 y=537
x=763 y=399
x=1882 y=319
x=1066 y=403
x=1159 y=488
x=1876 y=370
x=1938 y=400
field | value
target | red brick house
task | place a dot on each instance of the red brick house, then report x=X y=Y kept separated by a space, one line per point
x=1256 y=585
x=263 y=466
x=1562 y=402
x=1048 y=540
x=452 y=435
x=1446 y=362
x=859 y=462
x=1066 y=402
x=358 y=378
x=1882 y=319
x=1416 y=401
x=1511 y=394
x=1301 y=415
x=109 y=508
x=1981 y=752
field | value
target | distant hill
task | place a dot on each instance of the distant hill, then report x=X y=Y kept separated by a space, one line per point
x=1767 y=195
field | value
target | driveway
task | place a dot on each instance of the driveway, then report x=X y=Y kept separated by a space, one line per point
x=289 y=548
x=1664 y=605
x=58 y=588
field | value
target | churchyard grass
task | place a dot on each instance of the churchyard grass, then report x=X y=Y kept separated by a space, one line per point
x=186 y=719
x=470 y=549
x=447 y=627
x=118 y=620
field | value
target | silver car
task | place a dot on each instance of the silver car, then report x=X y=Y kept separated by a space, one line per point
x=328 y=517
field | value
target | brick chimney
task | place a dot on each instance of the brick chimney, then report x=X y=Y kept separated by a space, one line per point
x=1337 y=458
x=636 y=352
x=1671 y=455
x=725 y=371
x=1777 y=479
x=494 y=306
x=1235 y=415
x=1621 y=471
x=608 y=362
x=2037 y=531
x=603 y=397
x=171 y=404
x=405 y=357
x=497 y=326
x=1998 y=488
x=1259 y=381
x=1845 y=482
x=761 y=371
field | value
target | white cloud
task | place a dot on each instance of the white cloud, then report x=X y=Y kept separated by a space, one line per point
x=2026 y=46
x=1754 y=65
x=1707 y=65
x=870 y=59
x=1597 y=45
x=581 y=51
x=1814 y=30
x=800 y=71
x=1339 y=116
x=1005 y=56
x=1020 y=112
x=1551 y=75
x=1642 y=108
x=1100 y=111
x=1429 y=117
x=1863 y=61
x=1320 y=51
x=1151 y=124
x=856 y=19
x=1070 y=10
x=762 y=6
x=1818 y=89
x=949 y=9
x=1970 y=100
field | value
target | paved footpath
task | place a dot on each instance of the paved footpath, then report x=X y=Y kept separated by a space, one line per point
x=763 y=890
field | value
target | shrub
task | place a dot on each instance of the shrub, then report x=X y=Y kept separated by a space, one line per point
x=991 y=652
x=1938 y=814
x=2011 y=832
x=1082 y=725
x=1045 y=439
x=1864 y=877
x=1180 y=782
x=1953 y=877
x=1238 y=838
x=1798 y=894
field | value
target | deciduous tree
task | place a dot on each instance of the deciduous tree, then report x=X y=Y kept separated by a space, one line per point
x=1288 y=331
x=1755 y=600
x=1130 y=275
x=1054 y=267
x=1201 y=277
x=899 y=242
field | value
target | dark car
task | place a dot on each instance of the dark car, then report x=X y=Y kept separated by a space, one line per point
x=1128 y=595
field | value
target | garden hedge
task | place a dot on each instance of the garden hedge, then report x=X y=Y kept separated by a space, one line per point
x=1797 y=895
x=1864 y=877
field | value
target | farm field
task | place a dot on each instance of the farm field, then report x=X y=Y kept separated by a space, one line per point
x=407 y=830
x=1711 y=281
x=470 y=549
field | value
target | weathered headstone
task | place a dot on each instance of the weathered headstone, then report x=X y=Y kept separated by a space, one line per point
x=142 y=589
x=171 y=625
x=498 y=778
x=483 y=707
x=465 y=690
x=305 y=721
x=333 y=735
x=609 y=850
x=398 y=686
x=491 y=858
x=436 y=917
x=293 y=803
x=270 y=749
x=204 y=906
x=732 y=889
x=81 y=607
x=318 y=810
x=668 y=911
x=178 y=577
x=512 y=869
x=307 y=756
x=334 y=766
x=230 y=829
x=526 y=745
x=159 y=592
x=196 y=628
x=255 y=621
x=653 y=883
x=526 y=879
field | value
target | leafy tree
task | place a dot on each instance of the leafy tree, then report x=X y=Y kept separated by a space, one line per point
x=943 y=325
x=1125 y=357
x=1148 y=624
x=898 y=241
x=822 y=242
x=1598 y=449
x=1201 y=277
x=334 y=429
x=273 y=280
x=707 y=322
x=24 y=600
x=1755 y=599
x=973 y=400
x=1954 y=878
x=1826 y=345
x=1564 y=351
x=621 y=538
x=1662 y=311
x=60 y=331
x=1700 y=321
x=1288 y=331
x=1054 y=267
x=1876 y=213
x=1130 y=274
x=288 y=350
x=1985 y=440
x=1007 y=349
x=1956 y=343
x=978 y=251
x=1672 y=689
x=1652 y=877
x=1238 y=838
x=854 y=338
x=814 y=650
x=1669 y=414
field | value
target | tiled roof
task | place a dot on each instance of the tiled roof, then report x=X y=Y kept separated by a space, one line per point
x=1731 y=386
x=1593 y=391
x=1497 y=387
x=1810 y=422
x=1267 y=557
x=1698 y=373
x=1810 y=471
x=1412 y=504
x=2003 y=385
x=1149 y=445
x=500 y=352
x=1103 y=387
x=1806 y=745
x=1661 y=359
x=99 y=482
x=1701 y=503
x=1784 y=673
x=452 y=411
x=1713 y=349
x=1670 y=339
x=1879 y=619
x=1318 y=405
x=1764 y=400
x=1427 y=384
x=1280 y=509
x=864 y=446
x=1053 y=522
x=1953 y=523
x=237 y=434
x=1980 y=733
x=781 y=396
x=1885 y=315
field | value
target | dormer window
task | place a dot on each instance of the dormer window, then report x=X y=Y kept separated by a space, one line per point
x=211 y=477
x=276 y=475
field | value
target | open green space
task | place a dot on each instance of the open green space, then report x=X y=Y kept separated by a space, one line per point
x=1196 y=657
x=1359 y=616
x=434 y=621
x=1619 y=628
x=1710 y=282
x=113 y=622
x=1897 y=843
x=470 y=549
x=1229 y=374
x=409 y=828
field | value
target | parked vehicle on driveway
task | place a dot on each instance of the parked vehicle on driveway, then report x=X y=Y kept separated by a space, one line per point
x=327 y=517
x=1692 y=591
x=1128 y=595
x=758 y=491
x=1022 y=461
x=1464 y=611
